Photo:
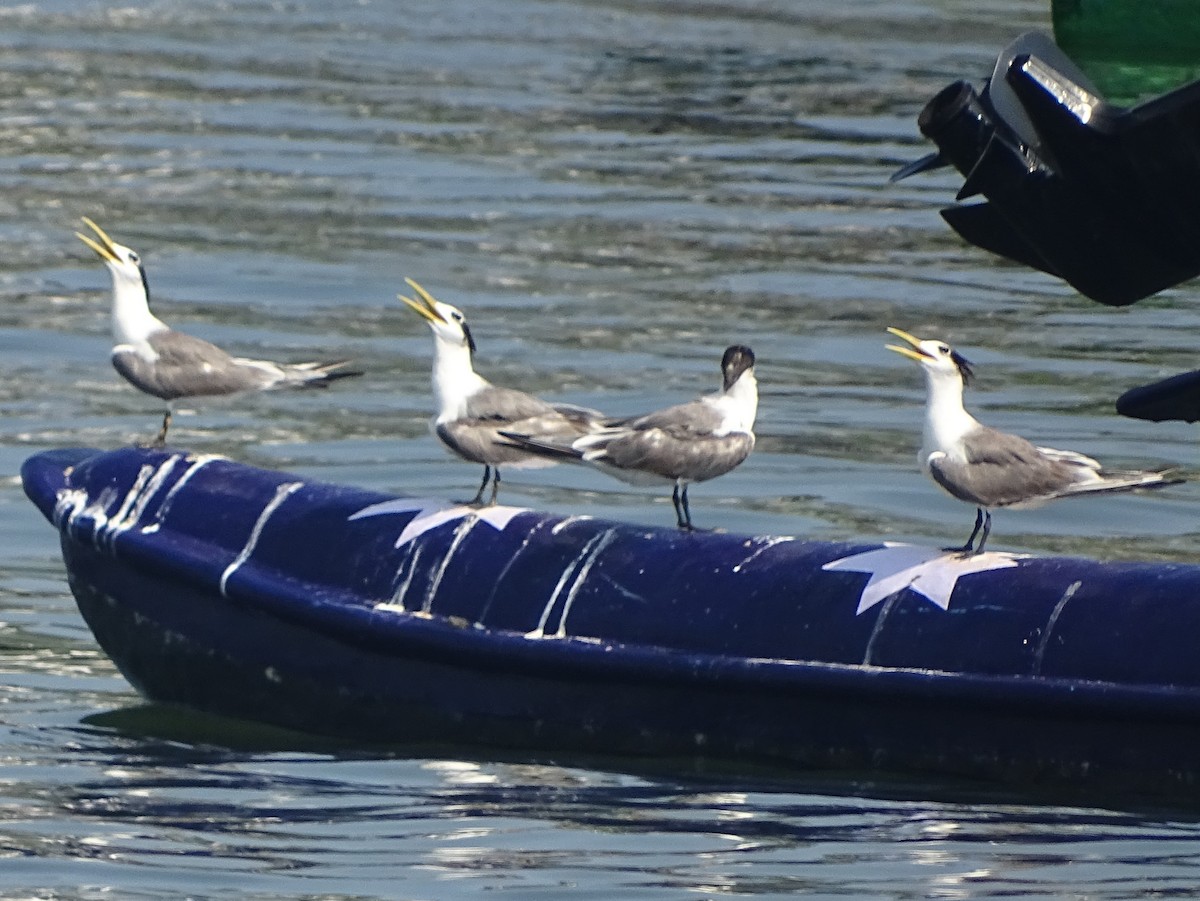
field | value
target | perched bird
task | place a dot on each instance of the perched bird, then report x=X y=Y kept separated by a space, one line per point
x=989 y=468
x=472 y=412
x=686 y=443
x=167 y=364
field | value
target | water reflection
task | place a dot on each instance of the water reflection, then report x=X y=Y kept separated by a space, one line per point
x=164 y=811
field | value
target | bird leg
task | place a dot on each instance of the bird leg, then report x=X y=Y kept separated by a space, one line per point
x=495 y=486
x=477 y=500
x=683 y=515
x=987 y=530
x=968 y=549
x=160 y=440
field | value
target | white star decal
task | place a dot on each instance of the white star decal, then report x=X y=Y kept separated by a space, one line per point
x=432 y=513
x=929 y=572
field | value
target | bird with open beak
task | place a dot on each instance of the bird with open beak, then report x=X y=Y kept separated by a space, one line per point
x=990 y=468
x=472 y=412
x=168 y=364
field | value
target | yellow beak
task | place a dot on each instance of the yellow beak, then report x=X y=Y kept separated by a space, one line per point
x=104 y=247
x=425 y=306
x=917 y=354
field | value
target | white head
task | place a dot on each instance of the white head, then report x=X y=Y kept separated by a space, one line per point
x=448 y=323
x=123 y=262
x=943 y=365
x=454 y=377
x=946 y=372
x=132 y=320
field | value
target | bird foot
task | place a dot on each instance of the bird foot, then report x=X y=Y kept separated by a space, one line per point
x=963 y=552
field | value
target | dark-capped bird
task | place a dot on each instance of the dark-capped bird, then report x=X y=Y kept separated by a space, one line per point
x=691 y=442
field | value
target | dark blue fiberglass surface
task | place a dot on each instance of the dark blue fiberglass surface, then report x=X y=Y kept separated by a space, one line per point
x=262 y=594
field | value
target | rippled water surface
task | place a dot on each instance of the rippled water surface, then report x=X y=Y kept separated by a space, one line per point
x=613 y=191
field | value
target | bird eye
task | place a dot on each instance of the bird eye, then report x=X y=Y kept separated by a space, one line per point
x=134 y=258
x=457 y=317
x=944 y=348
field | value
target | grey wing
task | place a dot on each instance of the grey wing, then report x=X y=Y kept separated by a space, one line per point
x=485 y=441
x=505 y=405
x=583 y=419
x=139 y=373
x=682 y=422
x=189 y=367
x=478 y=435
x=655 y=451
x=523 y=414
x=1001 y=469
x=676 y=443
x=470 y=440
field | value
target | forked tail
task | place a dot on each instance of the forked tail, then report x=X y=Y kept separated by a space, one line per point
x=1124 y=480
x=320 y=375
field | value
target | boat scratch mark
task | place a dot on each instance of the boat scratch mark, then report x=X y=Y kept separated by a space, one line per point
x=580 y=577
x=487 y=606
x=875 y=632
x=196 y=464
x=410 y=561
x=539 y=631
x=460 y=533
x=766 y=545
x=149 y=481
x=282 y=493
x=569 y=521
x=1050 y=623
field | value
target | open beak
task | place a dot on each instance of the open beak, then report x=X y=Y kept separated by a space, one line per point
x=425 y=305
x=105 y=249
x=914 y=352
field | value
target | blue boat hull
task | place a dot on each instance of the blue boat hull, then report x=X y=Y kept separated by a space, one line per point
x=342 y=612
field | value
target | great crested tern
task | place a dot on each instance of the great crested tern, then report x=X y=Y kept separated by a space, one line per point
x=990 y=468
x=472 y=412
x=165 y=363
x=690 y=442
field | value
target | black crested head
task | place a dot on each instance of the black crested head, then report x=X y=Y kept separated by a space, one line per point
x=467 y=335
x=964 y=367
x=737 y=359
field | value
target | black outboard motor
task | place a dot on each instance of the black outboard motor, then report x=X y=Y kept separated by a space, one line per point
x=1174 y=398
x=1104 y=197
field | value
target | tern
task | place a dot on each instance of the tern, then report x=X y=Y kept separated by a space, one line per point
x=990 y=468
x=690 y=442
x=472 y=412
x=168 y=364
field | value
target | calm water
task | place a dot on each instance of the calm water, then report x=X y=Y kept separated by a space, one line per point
x=613 y=191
